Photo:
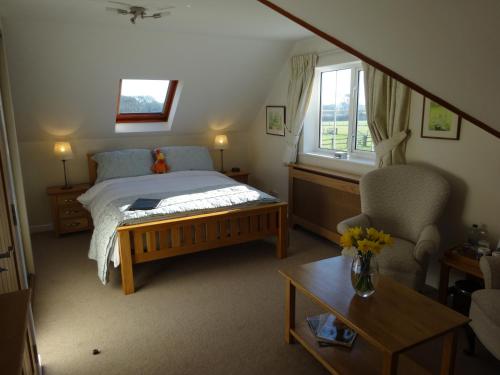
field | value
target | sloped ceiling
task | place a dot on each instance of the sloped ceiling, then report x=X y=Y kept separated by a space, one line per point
x=65 y=69
x=451 y=48
x=235 y=18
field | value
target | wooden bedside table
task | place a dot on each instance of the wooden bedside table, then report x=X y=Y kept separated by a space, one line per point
x=67 y=213
x=240 y=176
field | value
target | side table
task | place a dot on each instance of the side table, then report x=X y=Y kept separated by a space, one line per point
x=459 y=259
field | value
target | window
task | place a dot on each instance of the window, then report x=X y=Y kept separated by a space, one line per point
x=339 y=103
x=143 y=100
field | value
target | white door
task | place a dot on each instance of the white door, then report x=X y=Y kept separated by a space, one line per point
x=13 y=274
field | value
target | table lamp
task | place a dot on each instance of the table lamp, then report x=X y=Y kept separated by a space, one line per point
x=221 y=143
x=63 y=152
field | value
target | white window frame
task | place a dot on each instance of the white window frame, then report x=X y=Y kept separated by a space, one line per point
x=153 y=127
x=315 y=112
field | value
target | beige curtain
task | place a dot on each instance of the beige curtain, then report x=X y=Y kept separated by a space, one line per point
x=299 y=95
x=388 y=112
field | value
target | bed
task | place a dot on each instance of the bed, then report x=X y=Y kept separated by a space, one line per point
x=151 y=238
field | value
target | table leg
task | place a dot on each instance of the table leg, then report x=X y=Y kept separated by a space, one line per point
x=289 y=311
x=390 y=365
x=449 y=351
x=444 y=278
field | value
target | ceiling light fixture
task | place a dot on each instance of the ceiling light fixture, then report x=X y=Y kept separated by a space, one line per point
x=137 y=11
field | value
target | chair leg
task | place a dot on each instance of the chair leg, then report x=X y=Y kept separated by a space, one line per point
x=471 y=341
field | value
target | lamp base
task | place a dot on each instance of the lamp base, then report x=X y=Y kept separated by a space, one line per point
x=222 y=162
x=66 y=185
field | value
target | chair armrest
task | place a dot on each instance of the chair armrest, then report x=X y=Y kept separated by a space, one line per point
x=356 y=221
x=427 y=244
x=490 y=267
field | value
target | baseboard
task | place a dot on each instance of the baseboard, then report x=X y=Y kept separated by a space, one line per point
x=41 y=228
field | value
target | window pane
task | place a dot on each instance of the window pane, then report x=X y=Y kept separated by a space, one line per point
x=363 y=136
x=334 y=110
x=143 y=96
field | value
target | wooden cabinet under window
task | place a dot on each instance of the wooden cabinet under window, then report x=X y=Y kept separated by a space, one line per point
x=68 y=214
x=320 y=198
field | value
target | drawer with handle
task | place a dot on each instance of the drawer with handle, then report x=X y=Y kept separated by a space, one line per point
x=67 y=199
x=68 y=212
x=73 y=225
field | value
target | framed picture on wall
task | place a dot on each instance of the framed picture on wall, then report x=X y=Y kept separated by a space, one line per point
x=439 y=122
x=275 y=120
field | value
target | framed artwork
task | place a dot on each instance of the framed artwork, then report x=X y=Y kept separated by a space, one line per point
x=275 y=120
x=439 y=122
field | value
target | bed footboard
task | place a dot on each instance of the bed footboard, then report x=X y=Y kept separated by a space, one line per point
x=168 y=238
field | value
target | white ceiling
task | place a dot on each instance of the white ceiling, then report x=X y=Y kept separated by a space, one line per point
x=239 y=18
x=64 y=77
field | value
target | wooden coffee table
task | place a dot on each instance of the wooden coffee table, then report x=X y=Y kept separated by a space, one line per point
x=391 y=321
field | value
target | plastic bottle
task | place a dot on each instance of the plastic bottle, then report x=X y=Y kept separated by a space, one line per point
x=482 y=239
x=473 y=235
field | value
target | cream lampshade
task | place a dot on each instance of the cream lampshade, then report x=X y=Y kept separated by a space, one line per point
x=221 y=143
x=63 y=152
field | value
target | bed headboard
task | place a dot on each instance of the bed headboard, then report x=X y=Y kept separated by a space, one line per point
x=92 y=169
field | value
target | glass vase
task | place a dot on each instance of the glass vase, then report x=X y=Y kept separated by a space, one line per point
x=364 y=274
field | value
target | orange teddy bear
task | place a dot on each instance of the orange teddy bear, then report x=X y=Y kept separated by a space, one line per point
x=160 y=165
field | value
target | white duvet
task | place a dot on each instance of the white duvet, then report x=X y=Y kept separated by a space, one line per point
x=181 y=193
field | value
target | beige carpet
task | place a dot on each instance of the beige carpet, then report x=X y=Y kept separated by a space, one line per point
x=217 y=312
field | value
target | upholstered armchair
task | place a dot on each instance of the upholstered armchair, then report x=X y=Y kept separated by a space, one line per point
x=485 y=307
x=404 y=201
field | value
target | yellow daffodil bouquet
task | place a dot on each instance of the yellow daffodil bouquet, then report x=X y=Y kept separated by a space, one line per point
x=367 y=241
x=364 y=243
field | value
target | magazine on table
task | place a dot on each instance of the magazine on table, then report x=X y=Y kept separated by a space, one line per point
x=144 y=204
x=330 y=331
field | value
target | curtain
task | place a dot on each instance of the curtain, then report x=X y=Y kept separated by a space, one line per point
x=299 y=95
x=388 y=112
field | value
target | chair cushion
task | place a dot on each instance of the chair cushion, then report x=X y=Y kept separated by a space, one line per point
x=397 y=261
x=488 y=301
x=485 y=318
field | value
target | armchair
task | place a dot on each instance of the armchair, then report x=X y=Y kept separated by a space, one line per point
x=485 y=307
x=405 y=201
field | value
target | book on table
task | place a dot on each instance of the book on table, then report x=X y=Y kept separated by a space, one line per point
x=330 y=331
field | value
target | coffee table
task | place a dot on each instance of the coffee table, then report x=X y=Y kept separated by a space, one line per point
x=391 y=321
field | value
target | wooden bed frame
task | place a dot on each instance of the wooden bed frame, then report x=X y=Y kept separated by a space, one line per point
x=167 y=238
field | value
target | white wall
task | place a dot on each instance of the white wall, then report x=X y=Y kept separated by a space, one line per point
x=65 y=84
x=471 y=165
x=449 y=47
x=65 y=77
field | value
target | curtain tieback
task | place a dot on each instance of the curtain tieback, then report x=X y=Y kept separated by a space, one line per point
x=387 y=145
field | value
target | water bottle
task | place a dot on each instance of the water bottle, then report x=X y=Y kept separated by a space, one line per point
x=473 y=235
x=482 y=239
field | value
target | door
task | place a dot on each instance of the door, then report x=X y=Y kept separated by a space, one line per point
x=13 y=274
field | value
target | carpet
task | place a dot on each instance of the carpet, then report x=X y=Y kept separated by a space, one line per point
x=215 y=312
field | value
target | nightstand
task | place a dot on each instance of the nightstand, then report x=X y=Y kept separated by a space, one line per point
x=68 y=214
x=238 y=176
x=459 y=259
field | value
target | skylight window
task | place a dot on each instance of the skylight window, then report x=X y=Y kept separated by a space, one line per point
x=144 y=100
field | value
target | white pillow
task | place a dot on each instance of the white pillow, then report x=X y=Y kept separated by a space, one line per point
x=123 y=163
x=188 y=158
